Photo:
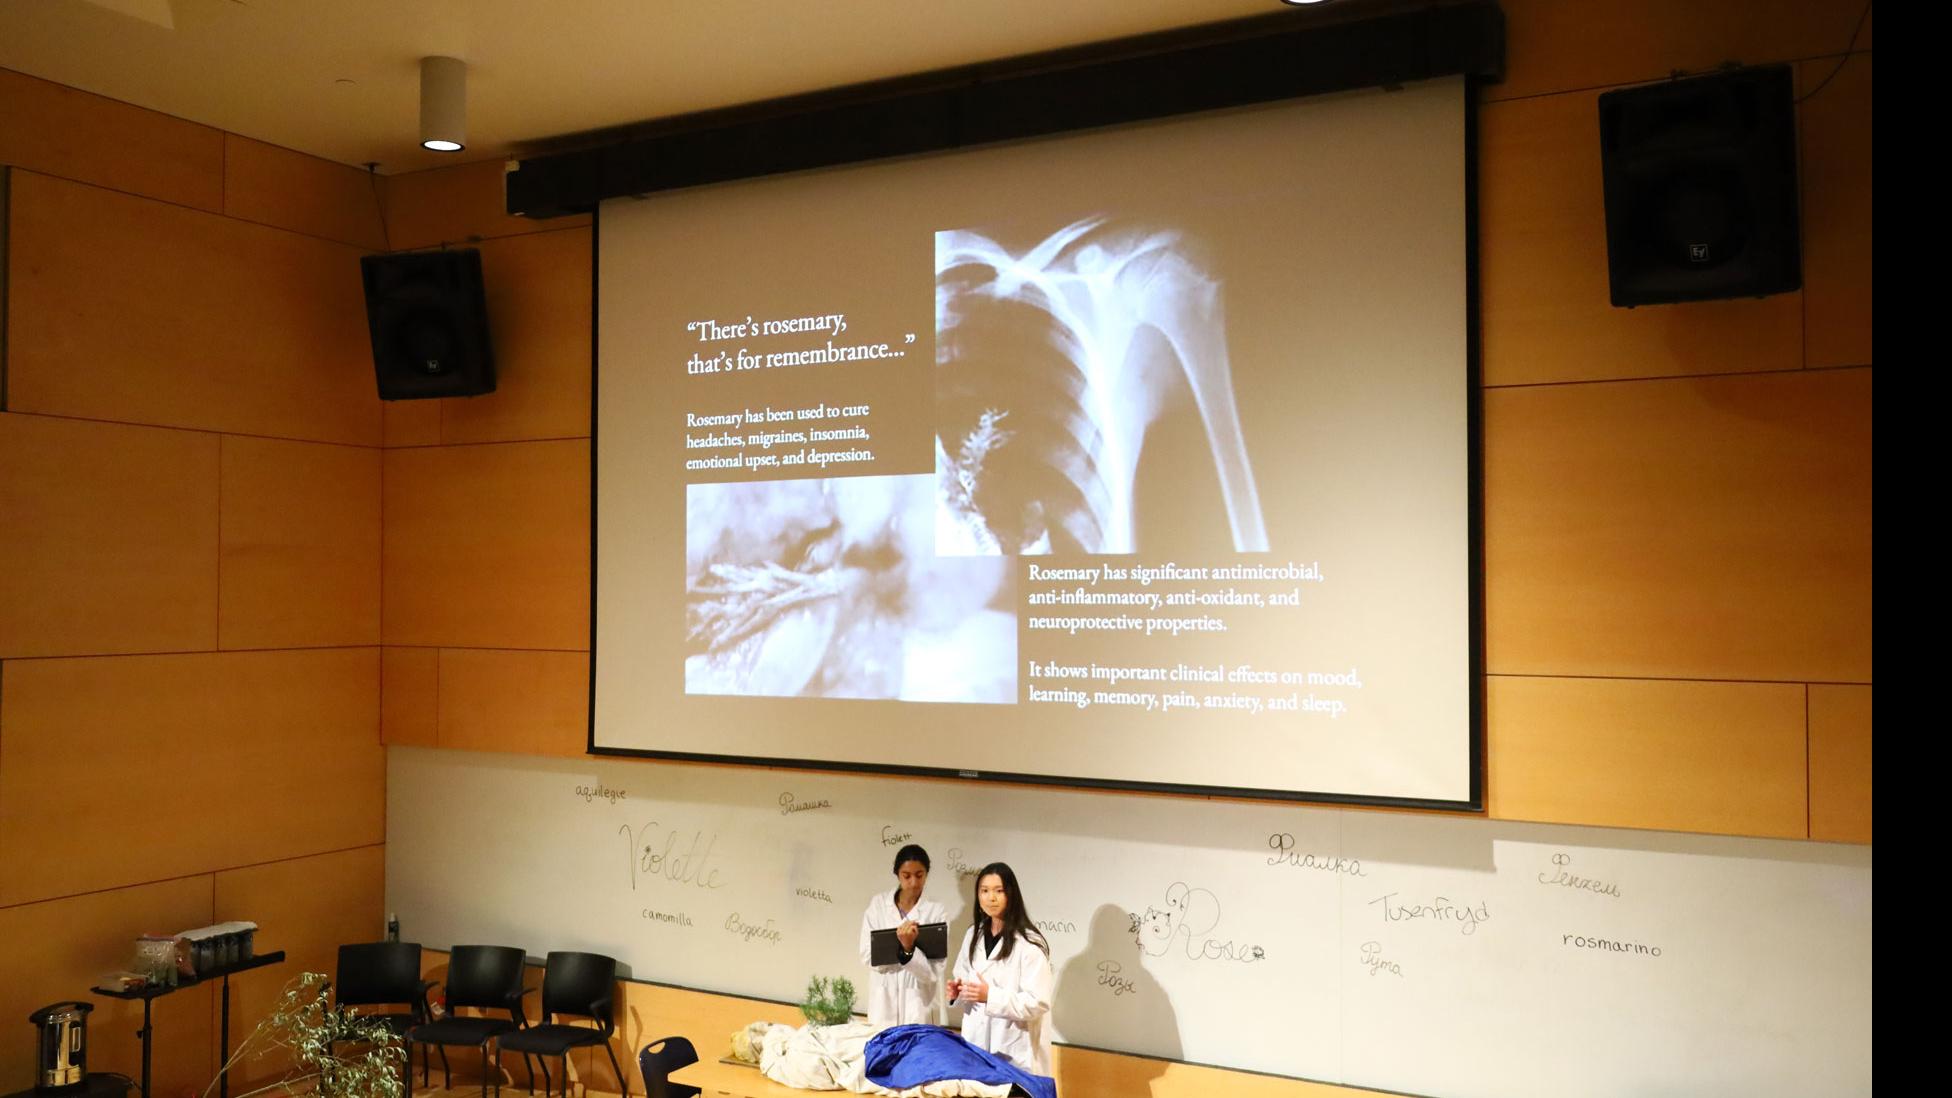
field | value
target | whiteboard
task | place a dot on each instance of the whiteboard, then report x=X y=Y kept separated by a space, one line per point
x=1418 y=953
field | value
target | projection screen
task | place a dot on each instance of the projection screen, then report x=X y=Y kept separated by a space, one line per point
x=1138 y=457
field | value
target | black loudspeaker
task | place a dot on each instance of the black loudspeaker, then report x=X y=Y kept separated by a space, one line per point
x=429 y=324
x=1701 y=188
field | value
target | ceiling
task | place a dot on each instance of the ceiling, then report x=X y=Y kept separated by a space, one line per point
x=340 y=78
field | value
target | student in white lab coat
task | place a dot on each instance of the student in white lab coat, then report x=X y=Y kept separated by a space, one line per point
x=905 y=993
x=1004 y=977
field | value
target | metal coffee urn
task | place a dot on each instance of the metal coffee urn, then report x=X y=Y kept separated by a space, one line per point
x=64 y=1045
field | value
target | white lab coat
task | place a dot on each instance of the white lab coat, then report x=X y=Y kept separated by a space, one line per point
x=1015 y=1022
x=900 y=994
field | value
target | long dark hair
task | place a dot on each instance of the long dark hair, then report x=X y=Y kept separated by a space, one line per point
x=913 y=852
x=1016 y=919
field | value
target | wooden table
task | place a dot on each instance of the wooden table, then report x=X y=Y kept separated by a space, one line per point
x=98 y=1084
x=718 y=1079
x=151 y=992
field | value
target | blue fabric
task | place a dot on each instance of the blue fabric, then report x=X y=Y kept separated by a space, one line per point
x=911 y=1056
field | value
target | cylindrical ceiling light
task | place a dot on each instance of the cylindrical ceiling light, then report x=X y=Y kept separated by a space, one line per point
x=443 y=104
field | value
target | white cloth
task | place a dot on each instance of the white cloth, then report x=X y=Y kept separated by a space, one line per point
x=1015 y=1021
x=900 y=994
x=814 y=1057
x=834 y=1058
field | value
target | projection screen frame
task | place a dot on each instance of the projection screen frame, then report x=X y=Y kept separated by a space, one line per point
x=577 y=182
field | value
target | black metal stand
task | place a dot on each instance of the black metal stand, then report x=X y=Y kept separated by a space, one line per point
x=150 y=994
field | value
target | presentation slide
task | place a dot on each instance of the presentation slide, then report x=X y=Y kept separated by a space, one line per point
x=1137 y=456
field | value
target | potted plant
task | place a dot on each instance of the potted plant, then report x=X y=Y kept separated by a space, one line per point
x=307 y=1027
x=828 y=1002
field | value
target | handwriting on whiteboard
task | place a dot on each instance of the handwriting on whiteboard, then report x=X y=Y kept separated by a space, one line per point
x=1372 y=957
x=655 y=854
x=1285 y=854
x=1562 y=876
x=1439 y=909
x=1190 y=917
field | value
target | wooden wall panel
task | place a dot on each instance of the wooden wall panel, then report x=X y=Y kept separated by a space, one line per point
x=1087 y=1071
x=1556 y=46
x=538 y=296
x=533 y=703
x=1840 y=763
x=1704 y=528
x=56 y=130
x=412 y=422
x=410 y=683
x=452 y=205
x=1719 y=757
x=58 y=949
x=108 y=538
x=300 y=544
x=307 y=907
x=126 y=309
x=291 y=190
x=1542 y=246
x=488 y=546
x=196 y=762
x=1836 y=174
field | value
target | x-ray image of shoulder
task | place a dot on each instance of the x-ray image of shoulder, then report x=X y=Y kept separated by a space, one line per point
x=832 y=588
x=1056 y=367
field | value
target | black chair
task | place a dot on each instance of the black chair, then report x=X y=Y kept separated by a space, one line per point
x=659 y=1059
x=384 y=974
x=486 y=977
x=578 y=984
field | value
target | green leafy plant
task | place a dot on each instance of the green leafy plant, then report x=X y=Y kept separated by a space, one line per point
x=828 y=1002
x=307 y=1028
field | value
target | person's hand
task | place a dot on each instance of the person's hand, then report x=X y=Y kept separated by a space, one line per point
x=906 y=934
x=974 y=990
x=955 y=989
